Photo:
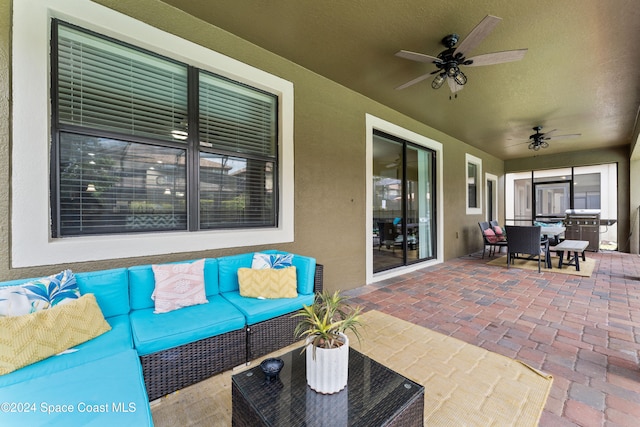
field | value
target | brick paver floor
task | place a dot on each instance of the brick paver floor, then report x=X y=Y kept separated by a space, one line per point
x=583 y=331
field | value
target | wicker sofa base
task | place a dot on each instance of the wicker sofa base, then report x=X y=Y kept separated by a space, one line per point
x=270 y=335
x=170 y=370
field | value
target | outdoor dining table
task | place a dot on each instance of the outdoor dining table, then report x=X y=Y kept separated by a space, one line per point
x=552 y=231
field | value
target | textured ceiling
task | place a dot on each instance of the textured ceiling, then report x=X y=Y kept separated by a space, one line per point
x=581 y=73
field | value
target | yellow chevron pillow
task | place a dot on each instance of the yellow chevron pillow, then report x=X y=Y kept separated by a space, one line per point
x=268 y=282
x=33 y=337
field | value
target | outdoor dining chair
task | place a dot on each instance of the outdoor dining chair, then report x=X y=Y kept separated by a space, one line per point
x=490 y=239
x=527 y=240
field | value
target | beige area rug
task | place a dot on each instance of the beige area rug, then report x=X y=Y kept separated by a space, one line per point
x=464 y=385
x=586 y=267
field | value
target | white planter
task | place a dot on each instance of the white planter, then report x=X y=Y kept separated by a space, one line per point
x=328 y=372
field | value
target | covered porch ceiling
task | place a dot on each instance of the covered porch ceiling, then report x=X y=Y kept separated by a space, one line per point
x=581 y=74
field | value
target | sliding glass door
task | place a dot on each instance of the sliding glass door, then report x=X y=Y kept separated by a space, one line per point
x=403 y=203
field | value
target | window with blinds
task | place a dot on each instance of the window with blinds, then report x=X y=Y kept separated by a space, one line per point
x=143 y=143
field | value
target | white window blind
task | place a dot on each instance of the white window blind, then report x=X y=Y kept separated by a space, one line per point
x=235 y=118
x=109 y=86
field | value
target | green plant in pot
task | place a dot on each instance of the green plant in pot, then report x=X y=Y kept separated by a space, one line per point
x=324 y=324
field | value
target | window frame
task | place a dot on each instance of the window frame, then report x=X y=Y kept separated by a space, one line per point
x=31 y=242
x=193 y=145
x=491 y=202
x=477 y=162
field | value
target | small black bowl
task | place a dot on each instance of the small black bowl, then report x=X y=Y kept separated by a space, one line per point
x=271 y=368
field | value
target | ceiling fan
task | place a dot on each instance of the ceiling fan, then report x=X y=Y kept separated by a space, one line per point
x=449 y=61
x=539 y=140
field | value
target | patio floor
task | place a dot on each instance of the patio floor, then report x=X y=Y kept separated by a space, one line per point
x=585 y=331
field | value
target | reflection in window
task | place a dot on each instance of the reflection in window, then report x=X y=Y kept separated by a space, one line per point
x=108 y=185
x=235 y=192
x=472 y=182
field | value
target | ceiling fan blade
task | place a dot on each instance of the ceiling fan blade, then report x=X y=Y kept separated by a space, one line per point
x=571 y=135
x=419 y=57
x=497 y=57
x=546 y=135
x=414 y=81
x=478 y=34
x=455 y=87
x=517 y=143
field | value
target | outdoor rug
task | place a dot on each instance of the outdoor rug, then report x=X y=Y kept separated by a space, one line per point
x=464 y=385
x=586 y=267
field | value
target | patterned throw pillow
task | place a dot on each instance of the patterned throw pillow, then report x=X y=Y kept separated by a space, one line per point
x=490 y=235
x=268 y=282
x=39 y=294
x=276 y=261
x=178 y=285
x=32 y=337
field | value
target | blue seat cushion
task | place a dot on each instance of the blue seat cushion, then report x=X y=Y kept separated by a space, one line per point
x=157 y=332
x=117 y=340
x=258 y=310
x=113 y=384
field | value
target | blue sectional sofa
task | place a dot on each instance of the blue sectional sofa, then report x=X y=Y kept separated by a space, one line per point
x=109 y=380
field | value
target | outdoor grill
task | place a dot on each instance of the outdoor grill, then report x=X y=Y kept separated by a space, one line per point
x=583 y=224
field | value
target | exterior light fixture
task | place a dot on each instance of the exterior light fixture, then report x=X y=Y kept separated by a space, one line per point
x=91 y=188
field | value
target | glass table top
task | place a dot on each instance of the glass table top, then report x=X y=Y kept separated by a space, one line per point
x=374 y=394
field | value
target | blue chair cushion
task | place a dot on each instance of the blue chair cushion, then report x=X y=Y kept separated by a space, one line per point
x=258 y=310
x=158 y=332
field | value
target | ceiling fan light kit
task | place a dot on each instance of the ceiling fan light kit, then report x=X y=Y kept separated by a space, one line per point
x=539 y=140
x=448 y=61
x=438 y=81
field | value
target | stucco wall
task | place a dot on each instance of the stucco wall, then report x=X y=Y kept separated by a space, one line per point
x=329 y=158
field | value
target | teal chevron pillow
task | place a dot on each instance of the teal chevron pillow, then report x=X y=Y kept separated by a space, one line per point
x=38 y=294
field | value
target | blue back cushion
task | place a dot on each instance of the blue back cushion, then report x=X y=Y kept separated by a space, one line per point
x=228 y=269
x=229 y=265
x=305 y=272
x=142 y=282
x=111 y=288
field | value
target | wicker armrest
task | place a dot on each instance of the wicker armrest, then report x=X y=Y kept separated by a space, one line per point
x=318 y=279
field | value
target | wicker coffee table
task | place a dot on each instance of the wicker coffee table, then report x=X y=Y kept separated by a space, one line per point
x=375 y=396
